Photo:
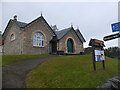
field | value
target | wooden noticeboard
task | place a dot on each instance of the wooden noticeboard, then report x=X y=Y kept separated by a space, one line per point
x=97 y=47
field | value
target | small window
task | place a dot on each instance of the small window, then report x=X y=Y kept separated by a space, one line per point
x=38 y=39
x=12 y=37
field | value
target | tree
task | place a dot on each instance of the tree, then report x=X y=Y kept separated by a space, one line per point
x=88 y=50
x=113 y=52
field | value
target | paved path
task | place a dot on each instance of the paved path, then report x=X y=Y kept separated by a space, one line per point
x=13 y=75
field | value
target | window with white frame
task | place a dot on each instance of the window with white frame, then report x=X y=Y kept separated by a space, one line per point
x=38 y=39
x=12 y=37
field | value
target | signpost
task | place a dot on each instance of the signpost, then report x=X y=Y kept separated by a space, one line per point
x=110 y=37
x=115 y=27
x=97 y=52
x=119 y=41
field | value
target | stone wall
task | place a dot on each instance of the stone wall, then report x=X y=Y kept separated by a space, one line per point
x=112 y=84
x=27 y=44
x=1 y=47
x=12 y=47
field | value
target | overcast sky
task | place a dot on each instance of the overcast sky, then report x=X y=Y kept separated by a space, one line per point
x=94 y=19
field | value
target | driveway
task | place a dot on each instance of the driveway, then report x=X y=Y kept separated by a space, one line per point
x=13 y=75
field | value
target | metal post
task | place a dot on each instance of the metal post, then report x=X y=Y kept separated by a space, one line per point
x=93 y=54
x=103 y=64
x=119 y=41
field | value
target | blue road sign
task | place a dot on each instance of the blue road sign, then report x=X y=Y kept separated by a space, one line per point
x=115 y=27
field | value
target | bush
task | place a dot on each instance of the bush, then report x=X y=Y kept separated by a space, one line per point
x=113 y=52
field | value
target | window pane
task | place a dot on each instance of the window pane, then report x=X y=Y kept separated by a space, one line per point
x=12 y=37
x=38 y=39
x=42 y=43
x=34 y=42
x=42 y=37
x=39 y=43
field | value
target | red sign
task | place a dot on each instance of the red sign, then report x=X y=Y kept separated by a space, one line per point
x=99 y=41
x=1 y=42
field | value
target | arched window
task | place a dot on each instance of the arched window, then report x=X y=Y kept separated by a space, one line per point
x=12 y=37
x=38 y=39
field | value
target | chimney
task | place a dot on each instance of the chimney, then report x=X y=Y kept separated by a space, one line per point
x=15 y=17
x=71 y=25
x=54 y=27
x=41 y=13
x=77 y=27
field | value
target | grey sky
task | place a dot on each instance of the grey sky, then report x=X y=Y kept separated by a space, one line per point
x=93 y=18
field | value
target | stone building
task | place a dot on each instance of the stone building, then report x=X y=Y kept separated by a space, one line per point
x=1 y=41
x=37 y=37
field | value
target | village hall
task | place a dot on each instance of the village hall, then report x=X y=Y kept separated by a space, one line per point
x=38 y=37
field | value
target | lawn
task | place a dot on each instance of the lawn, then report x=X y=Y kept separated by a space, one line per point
x=9 y=59
x=71 y=72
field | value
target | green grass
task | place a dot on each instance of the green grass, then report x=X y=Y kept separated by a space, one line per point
x=9 y=59
x=71 y=72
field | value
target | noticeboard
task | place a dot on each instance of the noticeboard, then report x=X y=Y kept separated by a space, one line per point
x=99 y=55
x=97 y=52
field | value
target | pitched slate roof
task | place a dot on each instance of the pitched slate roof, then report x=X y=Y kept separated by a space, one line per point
x=80 y=35
x=41 y=17
x=23 y=25
x=62 y=33
x=20 y=24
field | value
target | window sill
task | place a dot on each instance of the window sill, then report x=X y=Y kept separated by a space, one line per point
x=12 y=40
x=39 y=46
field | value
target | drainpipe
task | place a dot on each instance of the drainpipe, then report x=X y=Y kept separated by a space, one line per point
x=48 y=48
x=20 y=43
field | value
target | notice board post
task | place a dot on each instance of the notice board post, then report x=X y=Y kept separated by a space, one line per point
x=97 y=52
x=93 y=56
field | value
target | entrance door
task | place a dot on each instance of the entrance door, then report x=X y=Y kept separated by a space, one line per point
x=70 y=45
x=54 y=47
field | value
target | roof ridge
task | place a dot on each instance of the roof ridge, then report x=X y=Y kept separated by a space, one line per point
x=80 y=34
x=32 y=21
x=65 y=29
x=18 y=21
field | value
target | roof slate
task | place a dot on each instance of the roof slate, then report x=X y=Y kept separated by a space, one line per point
x=23 y=25
x=20 y=24
x=62 y=33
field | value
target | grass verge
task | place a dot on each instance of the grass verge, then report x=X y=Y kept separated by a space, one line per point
x=9 y=59
x=71 y=72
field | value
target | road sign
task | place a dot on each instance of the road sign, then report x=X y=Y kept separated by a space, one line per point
x=115 y=27
x=110 y=37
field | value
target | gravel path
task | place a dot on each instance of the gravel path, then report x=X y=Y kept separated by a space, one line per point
x=13 y=75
